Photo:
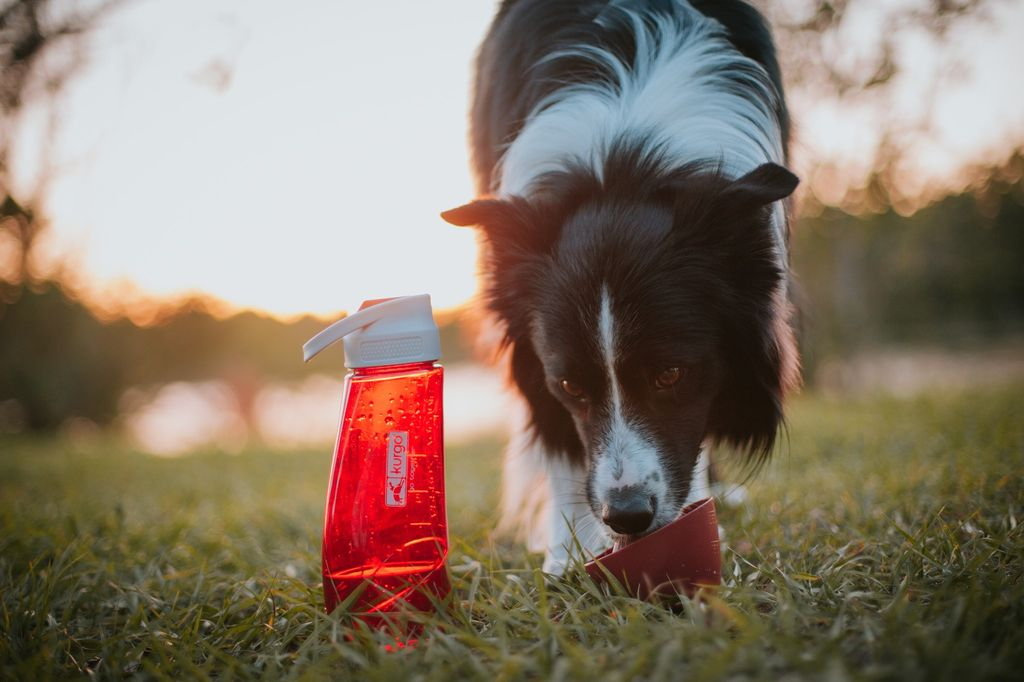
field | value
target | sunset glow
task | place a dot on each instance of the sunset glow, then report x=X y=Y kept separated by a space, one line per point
x=296 y=161
x=285 y=161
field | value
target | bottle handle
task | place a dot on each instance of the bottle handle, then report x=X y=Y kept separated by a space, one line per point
x=359 y=320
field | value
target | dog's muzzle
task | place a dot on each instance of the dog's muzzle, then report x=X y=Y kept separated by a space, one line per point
x=629 y=510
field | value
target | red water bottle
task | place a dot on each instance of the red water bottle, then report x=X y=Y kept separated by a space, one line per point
x=385 y=538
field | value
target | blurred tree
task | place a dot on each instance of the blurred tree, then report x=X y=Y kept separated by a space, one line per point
x=57 y=361
x=857 y=55
x=812 y=45
x=33 y=34
x=949 y=275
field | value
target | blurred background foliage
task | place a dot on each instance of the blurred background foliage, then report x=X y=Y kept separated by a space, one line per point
x=873 y=270
x=59 y=361
x=949 y=275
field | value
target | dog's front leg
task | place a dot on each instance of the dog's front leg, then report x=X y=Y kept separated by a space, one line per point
x=571 y=524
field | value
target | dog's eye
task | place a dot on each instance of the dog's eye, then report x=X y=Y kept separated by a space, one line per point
x=572 y=390
x=668 y=377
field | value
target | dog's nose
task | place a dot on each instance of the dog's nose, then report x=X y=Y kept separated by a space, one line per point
x=629 y=510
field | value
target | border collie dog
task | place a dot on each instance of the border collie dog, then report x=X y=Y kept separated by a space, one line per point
x=628 y=158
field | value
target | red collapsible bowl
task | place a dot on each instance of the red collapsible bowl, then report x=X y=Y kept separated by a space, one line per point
x=678 y=558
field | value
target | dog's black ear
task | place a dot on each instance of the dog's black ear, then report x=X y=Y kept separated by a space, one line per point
x=765 y=184
x=733 y=227
x=512 y=226
x=480 y=213
x=513 y=260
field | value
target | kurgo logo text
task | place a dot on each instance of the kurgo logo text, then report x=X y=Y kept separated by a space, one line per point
x=397 y=468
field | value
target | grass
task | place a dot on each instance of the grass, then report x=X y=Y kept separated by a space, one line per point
x=884 y=542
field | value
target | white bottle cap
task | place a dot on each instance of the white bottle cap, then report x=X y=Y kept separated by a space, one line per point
x=391 y=332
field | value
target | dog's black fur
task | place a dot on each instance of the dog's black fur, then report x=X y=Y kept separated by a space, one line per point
x=685 y=254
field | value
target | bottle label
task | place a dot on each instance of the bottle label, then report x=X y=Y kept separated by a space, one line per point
x=397 y=469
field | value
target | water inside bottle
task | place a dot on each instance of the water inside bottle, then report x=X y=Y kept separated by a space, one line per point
x=385 y=530
x=382 y=587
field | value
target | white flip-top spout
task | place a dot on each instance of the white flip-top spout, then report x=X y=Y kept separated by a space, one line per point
x=392 y=332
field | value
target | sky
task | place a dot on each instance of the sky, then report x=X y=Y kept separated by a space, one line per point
x=293 y=157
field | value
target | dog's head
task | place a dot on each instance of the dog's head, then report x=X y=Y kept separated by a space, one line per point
x=643 y=319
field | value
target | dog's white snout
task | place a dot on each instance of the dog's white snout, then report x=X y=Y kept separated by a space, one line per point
x=629 y=485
